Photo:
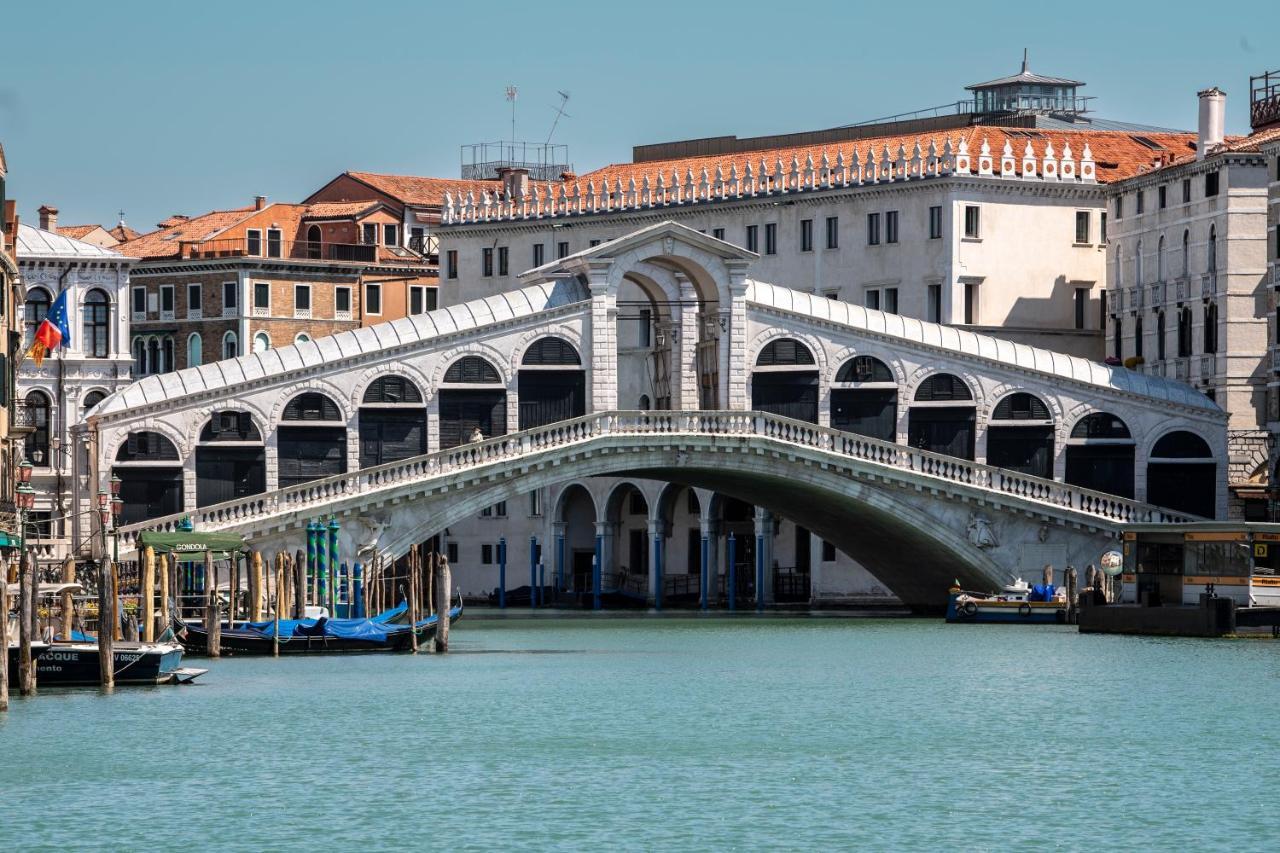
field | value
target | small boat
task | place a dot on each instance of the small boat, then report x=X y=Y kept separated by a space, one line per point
x=69 y=663
x=1017 y=602
x=37 y=651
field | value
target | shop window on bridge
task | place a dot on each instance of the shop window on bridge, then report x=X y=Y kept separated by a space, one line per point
x=1099 y=455
x=552 y=385
x=231 y=461
x=393 y=422
x=150 y=473
x=311 y=442
x=785 y=381
x=1020 y=435
x=870 y=405
x=1182 y=474
x=943 y=417
x=472 y=397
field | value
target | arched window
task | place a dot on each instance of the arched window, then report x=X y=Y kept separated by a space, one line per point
x=230 y=345
x=864 y=368
x=37 y=445
x=1181 y=444
x=1100 y=425
x=139 y=357
x=1160 y=335
x=1184 y=331
x=97 y=324
x=313 y=242
x=1213 y=248
x=1137 y=336
x=1100 y=454
x=92 y=399
x=551 y=351
x=1021 y=406
x=1182 y=474
x=1210 y=331
x=312 y=406
x=1119 y=265
x=784 y=352
x=195 y=347
x=167 y=349
x=1160 y=259
x=472 y=370
x=392 y=389
x=302 y=338
x=644 y=403
x=261 y=342
x=147 y=447
x=230 y=425
x=1186 y=252
x=1118 y=344
x=1137 y=265
x=943 y=387
x=153 y=355
x=1020 y=435
x=35 y=310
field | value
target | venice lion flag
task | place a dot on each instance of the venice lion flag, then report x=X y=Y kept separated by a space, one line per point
x=53 y=332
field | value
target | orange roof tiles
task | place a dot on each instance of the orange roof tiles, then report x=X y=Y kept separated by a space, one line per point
x=165 y=242
x=124 y=233
x=338 y=209
x=75 y=232
x=427 y=192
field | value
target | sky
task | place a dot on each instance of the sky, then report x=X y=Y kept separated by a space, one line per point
x=177 y=107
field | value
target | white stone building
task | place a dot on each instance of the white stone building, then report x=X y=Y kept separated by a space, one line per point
x=72 y=379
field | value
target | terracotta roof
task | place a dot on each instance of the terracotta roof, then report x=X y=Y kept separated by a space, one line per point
x=164 y=242
x=76 y=231
x=1250 y=144
x=338 y=209
x=429 y=192
x=124 y=233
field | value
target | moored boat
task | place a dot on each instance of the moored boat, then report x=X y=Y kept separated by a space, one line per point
x=1018 y=603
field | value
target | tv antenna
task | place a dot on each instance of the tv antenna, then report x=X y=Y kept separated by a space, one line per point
x=564 y=100
x=511 y=96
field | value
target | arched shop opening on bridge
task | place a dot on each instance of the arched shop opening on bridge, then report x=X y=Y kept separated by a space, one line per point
x=785 y=381
x=150 y=473
x=231 y=459
x=864 y=399
x=644 y=330
x=472 y=397
x=1182 y=474
x=393 y=421
x=1099 y=455
x=311 y=441
x=1020 y=435
x=552 y=383
x=943 y=417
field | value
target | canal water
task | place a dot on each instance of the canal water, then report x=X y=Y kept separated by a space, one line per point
x=672 y=733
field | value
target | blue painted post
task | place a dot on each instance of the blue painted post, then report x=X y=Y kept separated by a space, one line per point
x=733 y=571
x=334 y=528
x=542 y=582
x=533 y=572
x=705 y=571
x=595 y=572
x=502 y=573
x=759 y=572
x=357 y=589
x=657 y=572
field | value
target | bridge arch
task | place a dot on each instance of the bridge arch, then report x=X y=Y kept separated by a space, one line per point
x=864 y=396
x=150 y=469
x=230 y=458
x=393 y=420
x=1182 y=473
x=1099 y=454
x=1020 y=435
x=785 y=375
x=551 y=382
x=577 y=521
x=942 y=415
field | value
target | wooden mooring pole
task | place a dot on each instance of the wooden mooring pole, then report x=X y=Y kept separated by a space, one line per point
x=68 y=603
x=413 y=598
x=148 y=594
x=26 y=666
x=106 y=623
x=4 y=637
x=166 y=615
x=212 y=619
x=443 y=582
x=275 y=608
x=299 y=584
x=256 y=579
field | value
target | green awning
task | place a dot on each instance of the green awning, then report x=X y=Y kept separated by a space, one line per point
x=8 y=540
x=190 y=546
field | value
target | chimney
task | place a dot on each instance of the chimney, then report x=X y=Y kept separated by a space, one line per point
x=48 y=218
x=1213 y=121
x=515 y=181
x=259 y=202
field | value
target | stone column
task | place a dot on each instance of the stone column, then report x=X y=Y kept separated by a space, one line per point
x=604 y=560
x=604 y=342
x=559 y=528
x=684 y=349
x=708 y=560
x=764 y=557
x=657 y=560
x=816 y=567
x=733 y=344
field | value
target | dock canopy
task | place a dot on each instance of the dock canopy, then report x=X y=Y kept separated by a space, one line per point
x=191 y=546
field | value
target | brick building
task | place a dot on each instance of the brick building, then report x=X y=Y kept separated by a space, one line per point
x=267 y=275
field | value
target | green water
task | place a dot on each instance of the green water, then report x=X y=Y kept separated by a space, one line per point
x=678 y=734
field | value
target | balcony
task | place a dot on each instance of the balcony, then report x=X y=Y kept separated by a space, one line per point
x=1157 y=294
x=261 y=311
x=1275 y=359
x=342 y=315
x=1181 y=369
x=1209 y=285
x=195 y=313
x=24 y=419
x=302 y=250
x=1136 y=297
x=1208 y=366
x=1183 y=288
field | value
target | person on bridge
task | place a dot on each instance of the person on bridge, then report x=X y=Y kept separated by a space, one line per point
x=476 y=435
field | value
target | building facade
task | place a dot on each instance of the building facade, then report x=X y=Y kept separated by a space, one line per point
x=10 y=412
x=74 y=378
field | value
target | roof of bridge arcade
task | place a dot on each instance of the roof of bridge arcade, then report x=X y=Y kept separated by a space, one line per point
x=1048 y=362
x=235 y=372
x=618 y=245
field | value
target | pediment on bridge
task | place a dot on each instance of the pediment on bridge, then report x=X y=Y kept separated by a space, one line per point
x=661 y=238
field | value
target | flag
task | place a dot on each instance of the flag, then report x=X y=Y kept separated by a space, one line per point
x=54 y=331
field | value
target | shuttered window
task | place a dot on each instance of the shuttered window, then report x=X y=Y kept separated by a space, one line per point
x=783 y=352
x=864 y=368
x=309 y=453
x=389 y=435
x=551 y=351
x=230 y=425
x=463 y=411
x=1021 y=407
x=549 y=396
x=1100 y=425
x=472 y=370
x=147 y=447
x=312 y=406
x=392 y=389
x=943 y=387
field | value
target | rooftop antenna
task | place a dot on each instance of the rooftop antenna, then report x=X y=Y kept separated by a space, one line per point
x=121 y=212
x=564 y=100
x=1024 y=60
x=511 y=96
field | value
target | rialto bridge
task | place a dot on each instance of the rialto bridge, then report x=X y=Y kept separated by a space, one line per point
x=924 y=452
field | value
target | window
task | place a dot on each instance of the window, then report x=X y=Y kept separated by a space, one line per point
x=228 y=296
x=934 y=313
x=273 y=242
x=302 y=300
x=369 y=233
x=1082 y=301
x=37 y=308
x=253 y=241
x=230 y=345
x=498 y=510
x=502 y=260
x=451 y=551
x=538 y=249
x=806 y=235
x=389 y=234
x=833 y=232
x=1184 y=332
x=771 y=239
x=935 y=222
x=891 y=226
x=1117 y=345
x=1102 y=309
x=1119 y=207
x=315 y=241
x=195 y=300
x=262 y=296
x=562 y=249
x=1210 y=330
x=970 y=303
x=451 y=263
x=1186 y=191
x=1138 y=278
x=486 y=554
x=1139 y=198
x=1082 y=226
x=972 y=221
x=646 y=328
x=166 y=301
x=872 y=299
x=486 y=262
x=139 y=303
x=433 y=298
x=373 y=299
x=167 y=349
x=195 y=347
x=1160 y=259
x=1160 y=335
x=261 y=342
x=1210 y=184
x=873 y=229
x=593 y=243
x=1102 y=227
x=92 y=399
x=97 y=324
x=415 y=300
x=891 y=300
x=535 y=503
x=1213 y=248
x=37 y=441
x=1162 y=196
x=718 y=233
x=341 y=301
x=1137 y=336
x=753 y=241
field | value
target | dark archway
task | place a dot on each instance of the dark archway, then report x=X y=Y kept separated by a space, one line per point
x=785 y=381
x=864 y=399
x=393 y=421
x=150 y=473
x=311 y=442
x=1020 y=435
x=231 y=461
x=552 y=383
x=472 y=398
x=1100 y=455
x=943 y=417
x=315 y=248
x=575 y=514
x=1183 y=475
x=627 y=567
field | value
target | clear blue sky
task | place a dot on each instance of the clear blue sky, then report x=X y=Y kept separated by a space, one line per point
x=179 y=107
